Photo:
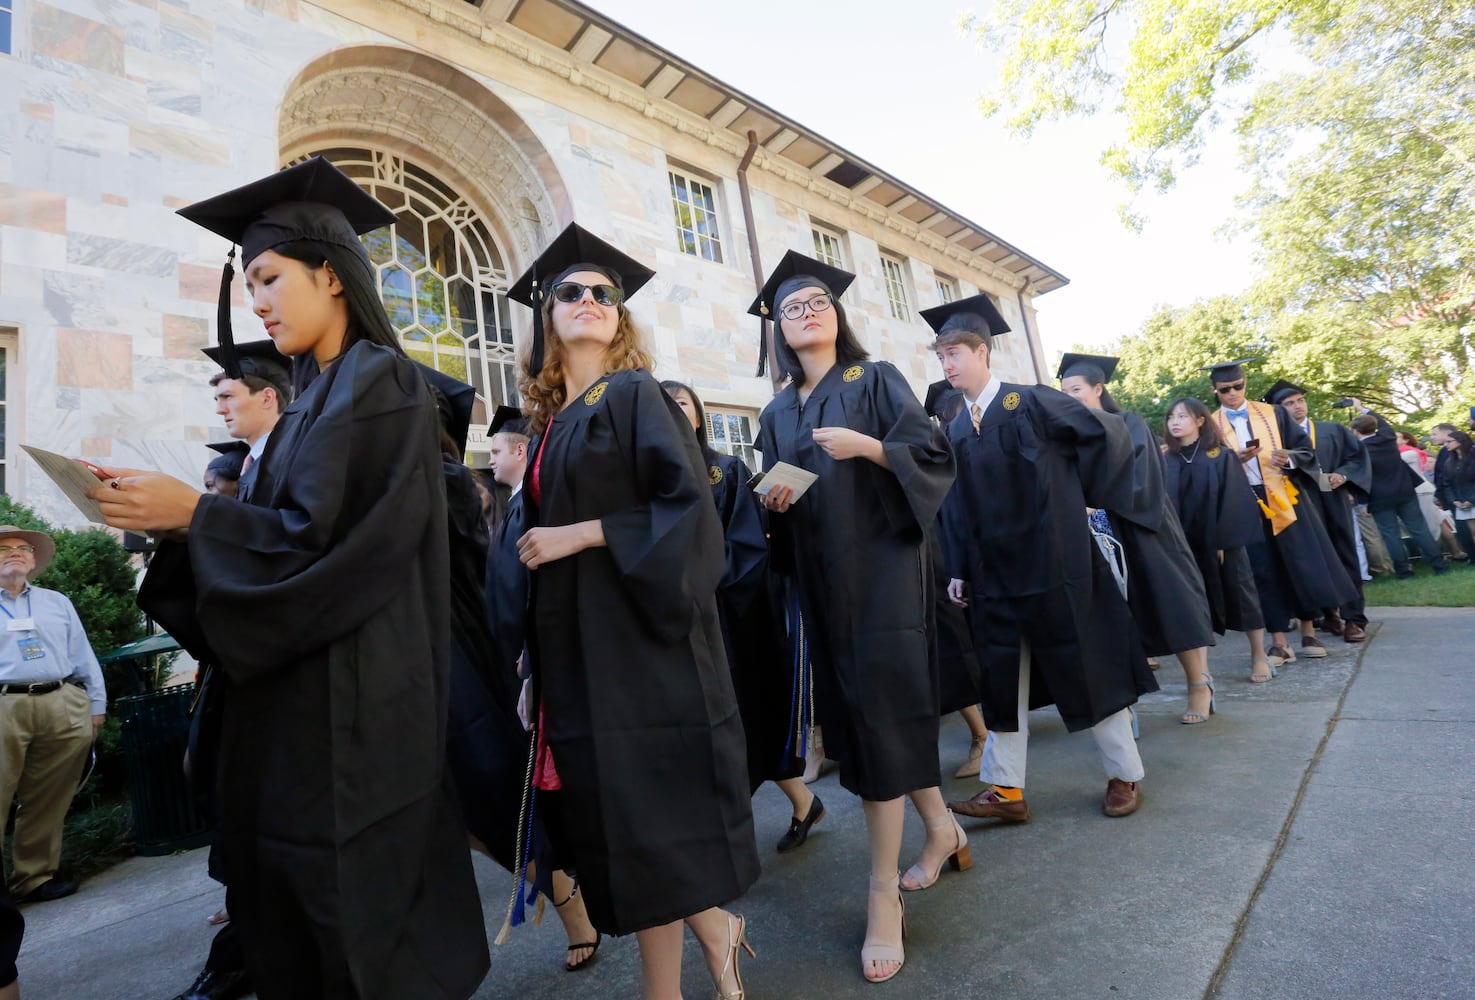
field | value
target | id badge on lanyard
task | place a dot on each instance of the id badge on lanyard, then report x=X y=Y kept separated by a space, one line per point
x=29 y=646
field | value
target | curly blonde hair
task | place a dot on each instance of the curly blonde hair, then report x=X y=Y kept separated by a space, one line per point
x=543 y=393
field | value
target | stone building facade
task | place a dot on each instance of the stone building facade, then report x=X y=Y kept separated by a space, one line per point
x=487 y=128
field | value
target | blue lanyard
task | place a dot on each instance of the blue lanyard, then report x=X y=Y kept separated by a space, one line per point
x=28 y=608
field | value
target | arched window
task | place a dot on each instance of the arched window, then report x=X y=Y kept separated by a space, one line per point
x=441 y=275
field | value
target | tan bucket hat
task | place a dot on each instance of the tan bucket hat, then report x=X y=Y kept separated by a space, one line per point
x=45 y=547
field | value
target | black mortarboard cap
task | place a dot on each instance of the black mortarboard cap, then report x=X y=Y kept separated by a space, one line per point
x=976 y=313
x=794 y=272
x=1101 y=366
x=229 y=447
x=574 y=249
x=231 y=460
x=454 y=401
x=1228 y=371
x=313 y=200
x=507 y=418
x=1281 y=389
x=258 y=357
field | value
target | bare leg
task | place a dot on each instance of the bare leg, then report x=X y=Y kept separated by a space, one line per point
x=800 y=797
x=884 y=822
x=11 y=992
x=660 y=961
x=1196 y=668
x=974 y=718
x=944 y=838
x=568 y=903
x=716 y=931
x=1257 y=654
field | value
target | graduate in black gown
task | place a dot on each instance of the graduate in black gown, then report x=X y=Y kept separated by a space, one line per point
x=1220 y=519
x=1346 y=476
x=1297 y=571
x=957 y=662
x=639 y=726
x=324 y=600
x=223 y=473
x=761 y=672
x=856 y=553
x=1051 y=624
x=1164 y=588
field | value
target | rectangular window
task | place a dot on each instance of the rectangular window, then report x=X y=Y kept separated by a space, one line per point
x=697 y=232
x=731 y=432
x=827 y=247
x=7 y=19
x=947 y=288
x=896 y=288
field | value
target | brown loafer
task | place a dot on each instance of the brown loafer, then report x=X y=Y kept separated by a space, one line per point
x=1312 y=648
x=1122 y=798
x=1279 y=656
x=988 y=804
x=1333 y=624
x=1354 y=633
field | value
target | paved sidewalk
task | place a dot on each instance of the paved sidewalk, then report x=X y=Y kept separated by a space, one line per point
x=1312 y=840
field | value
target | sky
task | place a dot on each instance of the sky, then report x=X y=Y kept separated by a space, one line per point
x=897 y=85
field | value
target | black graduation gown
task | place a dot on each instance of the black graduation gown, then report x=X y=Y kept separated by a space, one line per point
x=1308 y=573
x=1164 y=588
x=855 y=545
x=1019 y=537
x=959 y=683
x=1339 y=451
x=627 y=652
x=761 y=674
x=506 y=587
x=324 y=600
x=1218 y=512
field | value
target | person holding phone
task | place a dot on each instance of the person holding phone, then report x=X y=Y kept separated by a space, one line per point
x=1297 y=570
x=853 y=551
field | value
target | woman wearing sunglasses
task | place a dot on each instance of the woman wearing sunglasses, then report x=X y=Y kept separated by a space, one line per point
x=636 y=723
x=854 y=549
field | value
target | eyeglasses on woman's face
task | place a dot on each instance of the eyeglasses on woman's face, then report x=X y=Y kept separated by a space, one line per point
x=573 y=291
x=818 y=304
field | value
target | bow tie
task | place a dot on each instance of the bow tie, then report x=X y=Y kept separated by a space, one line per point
x=1231 y=414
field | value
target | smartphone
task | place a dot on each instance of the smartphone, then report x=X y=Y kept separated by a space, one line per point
x=1343 y=403
x=1252 y=443
x=93 y=469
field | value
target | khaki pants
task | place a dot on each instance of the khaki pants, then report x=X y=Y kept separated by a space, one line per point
x=44 y=739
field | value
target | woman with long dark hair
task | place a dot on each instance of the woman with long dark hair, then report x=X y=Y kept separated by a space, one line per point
x=1458 y=488
x=637 y=723
x=1164 y=590
x=855 y=552
x=764 y=684
x=1221 y=518
x=324 y=600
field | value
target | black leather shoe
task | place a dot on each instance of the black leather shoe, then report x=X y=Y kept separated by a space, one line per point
x=47 y=891
x=217 y=986
x=799 y=828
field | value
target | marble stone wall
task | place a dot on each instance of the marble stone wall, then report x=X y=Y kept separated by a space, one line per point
x=115 y=113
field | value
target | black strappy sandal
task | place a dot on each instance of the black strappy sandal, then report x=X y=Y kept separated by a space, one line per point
x=593 y=946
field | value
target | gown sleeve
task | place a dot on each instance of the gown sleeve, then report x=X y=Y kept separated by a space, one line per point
x=1147 y=497
x=667 y=549
x=776 y=525
x=274 y=583
x=1355 y=466
x=916 y=451
x=742 y=528
x=1239 y=514
x=1103 y=448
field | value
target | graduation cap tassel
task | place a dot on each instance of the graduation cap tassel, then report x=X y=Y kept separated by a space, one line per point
x=762 y=345
x=801 y=703
x=524 y=846
x=228 y=360
x=535 y=357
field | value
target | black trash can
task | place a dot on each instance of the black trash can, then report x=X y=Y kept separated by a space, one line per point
x=155 y=735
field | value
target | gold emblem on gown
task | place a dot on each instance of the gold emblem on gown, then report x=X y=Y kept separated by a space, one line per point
x=715 y=474
x=853 y=372
x=1011 y=401
x=595 y=394
x=1212 y=453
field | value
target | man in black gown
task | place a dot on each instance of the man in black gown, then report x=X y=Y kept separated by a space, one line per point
x=1051 y=625
x=1343 y=482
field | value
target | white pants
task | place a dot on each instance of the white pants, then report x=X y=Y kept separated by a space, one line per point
x=1004 y=754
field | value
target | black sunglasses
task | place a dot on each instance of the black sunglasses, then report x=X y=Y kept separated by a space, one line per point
x=572 y=291
x=1225 y=390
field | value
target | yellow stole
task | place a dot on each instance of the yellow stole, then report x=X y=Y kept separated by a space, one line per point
x=1280 y=493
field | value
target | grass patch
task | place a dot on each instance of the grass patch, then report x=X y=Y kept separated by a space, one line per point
x=1455 y=589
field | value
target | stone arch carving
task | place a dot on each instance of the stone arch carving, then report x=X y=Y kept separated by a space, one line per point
x=427 y=110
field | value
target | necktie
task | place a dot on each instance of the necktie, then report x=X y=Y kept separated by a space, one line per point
x=976 y=413
x=246 y=465
x=1241 y=414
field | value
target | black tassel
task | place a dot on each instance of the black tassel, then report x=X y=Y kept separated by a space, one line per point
x=228 y=360
x=762 y=345
x=535 y=356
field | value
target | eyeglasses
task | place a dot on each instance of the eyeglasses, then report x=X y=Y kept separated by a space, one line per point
x=5 y=550
x=572 y=291
x=1225 y=390
x=796 y=309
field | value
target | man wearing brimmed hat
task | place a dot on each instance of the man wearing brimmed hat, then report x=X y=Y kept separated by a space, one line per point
x=52 y=702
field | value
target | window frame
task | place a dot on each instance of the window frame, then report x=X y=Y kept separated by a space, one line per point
x=948 y=289
x=897 y=301
x=746 y=450
x=7 y=40
x=9 y=395
x=686 y=177
x=819 y=231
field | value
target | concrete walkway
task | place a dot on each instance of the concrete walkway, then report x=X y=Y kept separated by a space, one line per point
x=1312 y=840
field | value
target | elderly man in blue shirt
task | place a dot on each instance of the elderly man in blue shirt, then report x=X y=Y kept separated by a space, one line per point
x=52 y=702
